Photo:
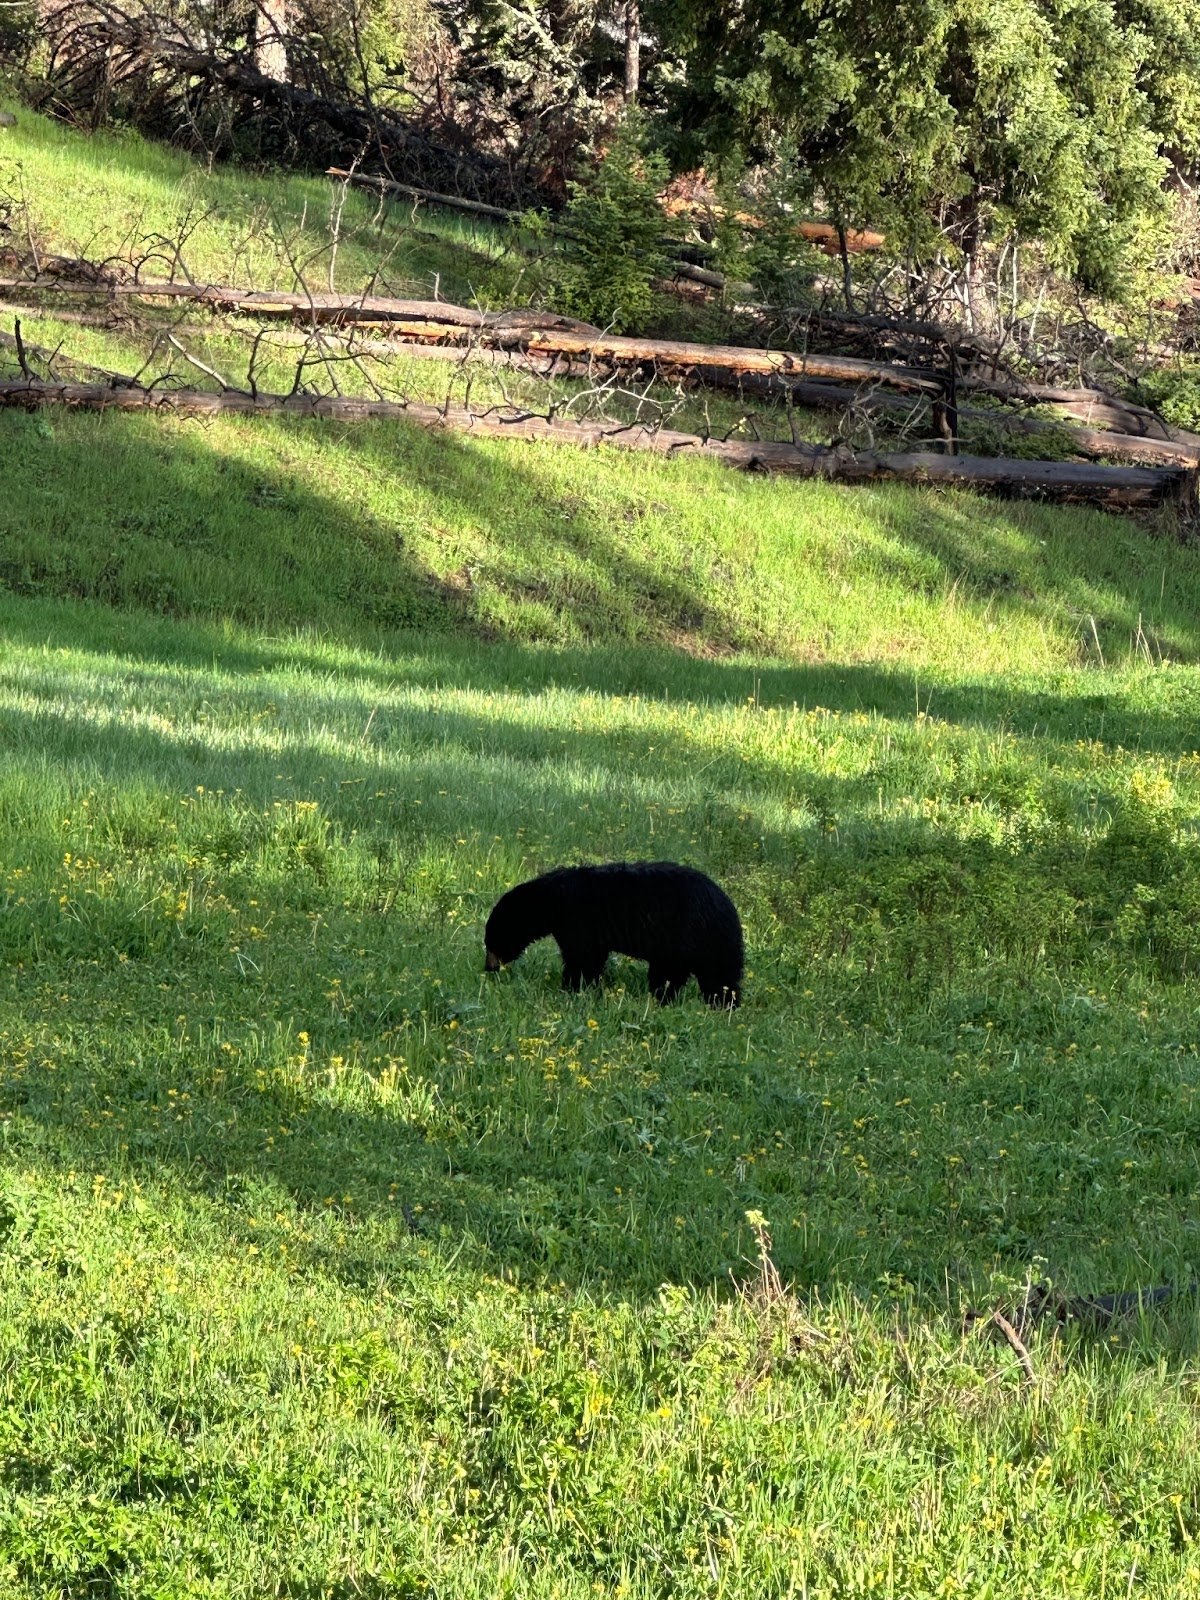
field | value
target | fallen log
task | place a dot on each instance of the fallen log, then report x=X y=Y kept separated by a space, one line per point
x=481 y=355
x=546 y=334
x=677 y=356
x=1116 y=488
x=535 y=331
x=548 y=362
x=822 y=234
x=87 y=319
x=1087 y=405
x=314 y=306
x=1095 y=443
x=705 y=275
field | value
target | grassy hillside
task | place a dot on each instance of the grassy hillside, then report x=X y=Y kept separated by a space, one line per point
x=115 y=193
x=332 y=1267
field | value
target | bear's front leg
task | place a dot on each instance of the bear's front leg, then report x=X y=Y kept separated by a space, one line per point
x=582 y=966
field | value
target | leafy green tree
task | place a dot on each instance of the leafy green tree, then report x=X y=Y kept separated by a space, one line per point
x=1054 y=119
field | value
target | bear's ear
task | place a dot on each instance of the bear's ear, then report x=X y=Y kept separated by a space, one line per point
x=492 y=963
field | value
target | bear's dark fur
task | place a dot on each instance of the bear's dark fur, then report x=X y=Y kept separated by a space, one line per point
x=674 y=917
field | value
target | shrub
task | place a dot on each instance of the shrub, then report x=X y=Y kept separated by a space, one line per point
x=613 y=227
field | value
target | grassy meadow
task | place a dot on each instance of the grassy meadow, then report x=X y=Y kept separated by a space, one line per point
x=332 y=1267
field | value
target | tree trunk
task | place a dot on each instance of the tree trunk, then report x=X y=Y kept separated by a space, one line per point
x=633 y=50
x=847 y=279
x=270 y=39
x=979 y=308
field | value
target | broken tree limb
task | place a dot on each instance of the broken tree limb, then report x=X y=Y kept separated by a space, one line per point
x=409 y=191
x=533 y=330
x=1118 y=488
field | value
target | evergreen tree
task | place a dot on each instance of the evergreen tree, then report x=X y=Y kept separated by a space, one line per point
x=612 y=234
x=1055 y=119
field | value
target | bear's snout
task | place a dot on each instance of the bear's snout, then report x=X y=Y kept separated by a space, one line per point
x=493 y=962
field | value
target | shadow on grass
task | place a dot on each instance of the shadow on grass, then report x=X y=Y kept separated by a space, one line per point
x=174 y=530
x=529 y=1169
x=1137 y=709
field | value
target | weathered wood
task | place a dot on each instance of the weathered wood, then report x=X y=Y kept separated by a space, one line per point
x=1094 y=406
x=704 y=275
x=1119 y=488
x=545 y=334
x=1095 y=443
x=826 y=236
x=536 y=331
x=409 y=191
x=318 y=306
x=677 y=356
x=1098 y=444
x=86 y=319
x=822 y=234
x=475 y=355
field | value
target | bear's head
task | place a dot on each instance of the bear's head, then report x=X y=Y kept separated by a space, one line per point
x=501 y=938
x=514 y=924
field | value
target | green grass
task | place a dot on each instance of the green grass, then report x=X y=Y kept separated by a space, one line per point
x=379 y=526
x=116 y=198
x=116 y=194
x=307 y=1222
x=332 y=1267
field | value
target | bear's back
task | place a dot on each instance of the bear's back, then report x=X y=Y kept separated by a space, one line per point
x=648 y=909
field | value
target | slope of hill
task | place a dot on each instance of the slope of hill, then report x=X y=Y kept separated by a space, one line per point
x=331 y=1267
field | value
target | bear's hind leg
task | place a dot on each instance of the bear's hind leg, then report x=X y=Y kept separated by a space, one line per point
x=718 y=991
x=666 y=985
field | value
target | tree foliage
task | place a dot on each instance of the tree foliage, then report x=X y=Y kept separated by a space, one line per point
x=533 y=78
x=1052 y=119
x=612 y=234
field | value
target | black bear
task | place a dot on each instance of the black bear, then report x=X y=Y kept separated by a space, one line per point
x=674 y=917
